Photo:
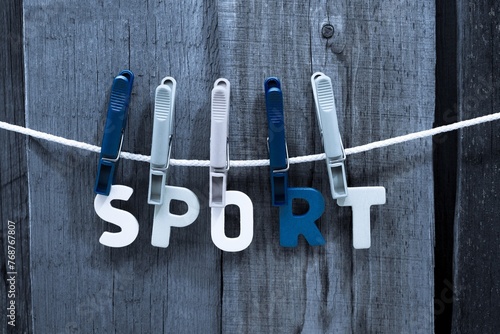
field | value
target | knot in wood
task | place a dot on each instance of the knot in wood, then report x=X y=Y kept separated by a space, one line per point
x=327 y=30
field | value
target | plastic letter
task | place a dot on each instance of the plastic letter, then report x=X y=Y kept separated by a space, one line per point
x=246 y=223
x=164 y=219
x=361 y=199
x=121 y=218
x=291 y=226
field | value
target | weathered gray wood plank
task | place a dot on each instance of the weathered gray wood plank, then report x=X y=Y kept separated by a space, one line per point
x=382 y=61
x=73 y=51
x=476 y=295
x=265 y=288
x=384 y=80
x=13 y=172
x=390 y=80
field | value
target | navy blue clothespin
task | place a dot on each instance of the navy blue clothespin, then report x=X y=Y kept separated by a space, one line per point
x=278 y=151
x=112 y=140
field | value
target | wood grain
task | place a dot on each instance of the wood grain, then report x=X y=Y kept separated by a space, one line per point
x=381 y=60
x=73 y=51
x=476 y=292
x=13 y=171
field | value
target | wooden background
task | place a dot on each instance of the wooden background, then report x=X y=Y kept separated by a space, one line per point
x=57 y=65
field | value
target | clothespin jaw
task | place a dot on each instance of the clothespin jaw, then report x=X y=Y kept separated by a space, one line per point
x=278 y=151
x=330 y=133
x=112 y=140
x=161 y=147
x=219 y=148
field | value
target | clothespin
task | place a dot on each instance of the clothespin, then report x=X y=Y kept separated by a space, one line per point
x=219 y=197
x=330 y=134
x=161 y=147
x=278 y=150
x=219 y=147
x=112 y=140
x=359 y=198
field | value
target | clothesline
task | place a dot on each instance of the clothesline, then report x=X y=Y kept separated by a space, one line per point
x=259 y=162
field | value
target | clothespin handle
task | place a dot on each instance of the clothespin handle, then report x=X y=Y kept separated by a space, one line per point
x=114 y=128
x=161 y=146
x=278 y=152
x=327 y=115
x=219 y=148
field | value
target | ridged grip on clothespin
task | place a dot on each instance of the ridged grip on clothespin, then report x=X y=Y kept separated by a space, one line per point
x=219 y=148
x=330 y=133
x=163 y=126
x=278 y=153
x=112 y=140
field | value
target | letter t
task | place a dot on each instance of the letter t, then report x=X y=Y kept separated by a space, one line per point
x=361 y=199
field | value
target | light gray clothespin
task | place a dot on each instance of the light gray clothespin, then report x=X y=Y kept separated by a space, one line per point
x=330 y=134
x=161 y=147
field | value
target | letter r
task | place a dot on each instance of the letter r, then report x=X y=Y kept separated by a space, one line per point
x=291 y=226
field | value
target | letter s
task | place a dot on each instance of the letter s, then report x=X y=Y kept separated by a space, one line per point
x=121 y=218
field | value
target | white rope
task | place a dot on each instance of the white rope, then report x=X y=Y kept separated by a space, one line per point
x=49 y=137
x=423 y=134
x=261 y=162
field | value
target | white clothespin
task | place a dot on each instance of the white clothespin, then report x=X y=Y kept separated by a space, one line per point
x=330 y=133
x=219 y=197
x=219 y=148
x=163 y=126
